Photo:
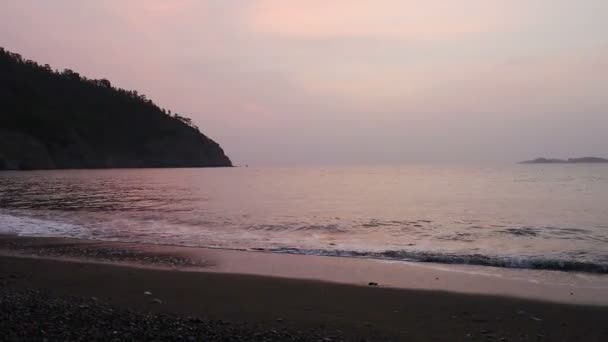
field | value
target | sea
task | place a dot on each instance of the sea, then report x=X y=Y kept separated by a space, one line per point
x=547 y=217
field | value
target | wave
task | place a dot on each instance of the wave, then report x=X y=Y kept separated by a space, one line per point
x=328 y=228
x=29 y=226
x=536 y=263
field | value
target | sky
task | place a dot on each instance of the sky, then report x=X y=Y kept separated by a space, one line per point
x=323 y=82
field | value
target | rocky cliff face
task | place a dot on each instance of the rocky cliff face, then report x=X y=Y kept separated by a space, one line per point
x=22 y=152
x=18 y=152
x=60 y=120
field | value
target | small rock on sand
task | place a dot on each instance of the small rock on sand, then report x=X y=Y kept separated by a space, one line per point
x=372 y=284
x=147 y=293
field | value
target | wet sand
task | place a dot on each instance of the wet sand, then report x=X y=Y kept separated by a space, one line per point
x=208 y=285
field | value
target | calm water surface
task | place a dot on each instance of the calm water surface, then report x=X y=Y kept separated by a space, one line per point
x=529 y=216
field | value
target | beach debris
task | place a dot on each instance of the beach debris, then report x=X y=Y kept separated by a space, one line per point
x=147 y=293
x=536 y=319
x=372 y=283
x=156 y=301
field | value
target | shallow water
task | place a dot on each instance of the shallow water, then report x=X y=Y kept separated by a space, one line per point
x=526 y=216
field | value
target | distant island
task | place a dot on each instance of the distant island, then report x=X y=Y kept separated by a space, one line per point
x=62 y=120
x=583 y=160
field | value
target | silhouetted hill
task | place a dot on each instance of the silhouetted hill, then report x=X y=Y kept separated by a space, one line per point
x=51 y=119
x=582 y=160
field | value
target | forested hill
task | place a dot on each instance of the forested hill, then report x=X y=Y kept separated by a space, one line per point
x=61 y=120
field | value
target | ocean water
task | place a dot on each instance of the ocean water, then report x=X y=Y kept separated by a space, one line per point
x=521 y=216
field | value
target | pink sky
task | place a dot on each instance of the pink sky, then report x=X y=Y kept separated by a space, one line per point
x=346 y=82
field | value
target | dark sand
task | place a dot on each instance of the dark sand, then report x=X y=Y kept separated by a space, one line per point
x=53 y=299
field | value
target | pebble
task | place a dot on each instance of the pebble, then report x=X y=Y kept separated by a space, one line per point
x=147 y=293
x=34 y=316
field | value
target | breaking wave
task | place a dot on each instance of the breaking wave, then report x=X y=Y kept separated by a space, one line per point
x=537 y=263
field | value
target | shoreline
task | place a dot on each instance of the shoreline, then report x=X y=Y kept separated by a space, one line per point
x=229 y=302
x=549 y=286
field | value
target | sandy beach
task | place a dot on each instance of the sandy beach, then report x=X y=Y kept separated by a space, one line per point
x=194 y=288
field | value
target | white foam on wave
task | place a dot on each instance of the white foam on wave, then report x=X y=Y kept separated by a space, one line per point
x=30 y=226
x=49 y=224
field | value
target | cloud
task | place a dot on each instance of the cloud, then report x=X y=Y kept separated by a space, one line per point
x=321 y=19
